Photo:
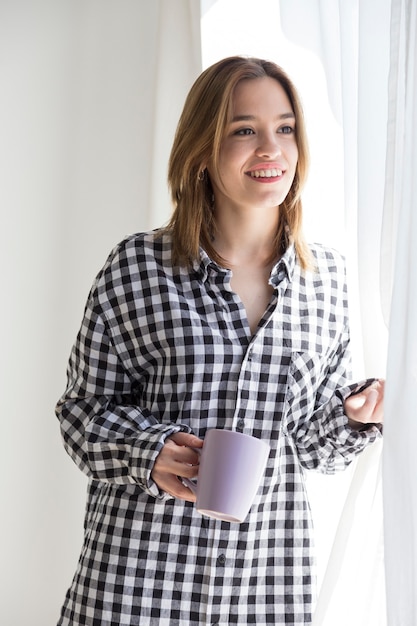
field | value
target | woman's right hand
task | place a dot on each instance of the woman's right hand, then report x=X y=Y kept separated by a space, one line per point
x=177 y=459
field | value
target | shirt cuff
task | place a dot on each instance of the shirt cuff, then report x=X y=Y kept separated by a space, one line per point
x=145 y=451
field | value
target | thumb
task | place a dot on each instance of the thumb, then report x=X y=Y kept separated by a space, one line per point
x=360 y=407
x=371 y=398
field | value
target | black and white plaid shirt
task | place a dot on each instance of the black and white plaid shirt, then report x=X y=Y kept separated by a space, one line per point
x=163 y=350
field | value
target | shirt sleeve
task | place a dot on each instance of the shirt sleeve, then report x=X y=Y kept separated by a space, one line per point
x=104 y=429
x=323 y=439
x=328 y=444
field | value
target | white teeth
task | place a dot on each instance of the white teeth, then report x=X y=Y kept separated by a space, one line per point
x=266 y=173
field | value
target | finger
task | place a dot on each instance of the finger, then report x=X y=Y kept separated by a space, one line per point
x=186 y=455
x=358 y=406
x=379 y=408
x=362 y=407
x=376 y=393
x=174 y=487
x=371 y=399
x=187 y=439
x=185 y=448
x=183 y=470
x=172 y=462
x=173 y=455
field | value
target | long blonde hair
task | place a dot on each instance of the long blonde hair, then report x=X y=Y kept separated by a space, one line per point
x=198 y=139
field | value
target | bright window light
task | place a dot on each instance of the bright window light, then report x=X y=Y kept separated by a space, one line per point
x=232 y=27
x=242 y=27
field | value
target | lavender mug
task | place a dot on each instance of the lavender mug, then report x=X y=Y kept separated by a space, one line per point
x=231 y=467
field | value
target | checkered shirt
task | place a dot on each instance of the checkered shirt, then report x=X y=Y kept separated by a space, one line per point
x=162 y=350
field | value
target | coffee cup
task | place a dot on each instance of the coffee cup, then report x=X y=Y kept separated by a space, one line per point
x=231 y=468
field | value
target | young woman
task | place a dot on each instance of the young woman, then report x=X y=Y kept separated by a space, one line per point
x=225 y=318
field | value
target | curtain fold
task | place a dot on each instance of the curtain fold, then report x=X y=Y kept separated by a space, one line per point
x=351 y=40
x=400 y=259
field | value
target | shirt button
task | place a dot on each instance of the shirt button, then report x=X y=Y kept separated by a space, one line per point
x=221 y=559
x=240 y=425
x=227 y=295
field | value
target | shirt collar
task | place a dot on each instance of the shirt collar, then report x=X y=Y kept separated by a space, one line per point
x=204 y=266
x=284 y=268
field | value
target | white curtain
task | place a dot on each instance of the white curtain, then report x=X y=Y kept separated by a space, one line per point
x=352 y=40
x=370 y=40
x=399 y=258
x=91 y=91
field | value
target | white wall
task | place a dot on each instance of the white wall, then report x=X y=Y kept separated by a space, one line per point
x=78 y=80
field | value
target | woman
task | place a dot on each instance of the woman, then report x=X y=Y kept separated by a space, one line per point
x=226 y=318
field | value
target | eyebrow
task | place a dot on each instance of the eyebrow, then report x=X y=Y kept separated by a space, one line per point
x=249 y=118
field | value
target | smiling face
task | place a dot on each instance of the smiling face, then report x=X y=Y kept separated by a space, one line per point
x=258 y=154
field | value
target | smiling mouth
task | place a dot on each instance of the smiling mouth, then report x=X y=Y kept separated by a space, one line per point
x=272 y=173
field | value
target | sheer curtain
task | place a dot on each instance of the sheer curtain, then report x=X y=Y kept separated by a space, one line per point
x=377 y=82
x=338 y=55
x=352 y=39
x=399 y=258
x=91 y=93
x=353 y=42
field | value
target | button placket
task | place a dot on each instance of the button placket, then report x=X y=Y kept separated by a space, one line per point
x=243 y=398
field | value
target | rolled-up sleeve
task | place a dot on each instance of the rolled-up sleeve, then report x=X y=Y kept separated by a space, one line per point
x=108 y=435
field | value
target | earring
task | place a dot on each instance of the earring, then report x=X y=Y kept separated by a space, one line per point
x=202 y=175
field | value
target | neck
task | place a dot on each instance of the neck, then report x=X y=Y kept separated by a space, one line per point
x=242 y=238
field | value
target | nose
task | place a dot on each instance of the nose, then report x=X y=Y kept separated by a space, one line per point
x=269 y=145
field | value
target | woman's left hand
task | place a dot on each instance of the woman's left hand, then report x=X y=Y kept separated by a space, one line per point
x=366 y=407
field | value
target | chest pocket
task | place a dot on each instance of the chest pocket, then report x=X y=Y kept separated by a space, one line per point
x=305 y=375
